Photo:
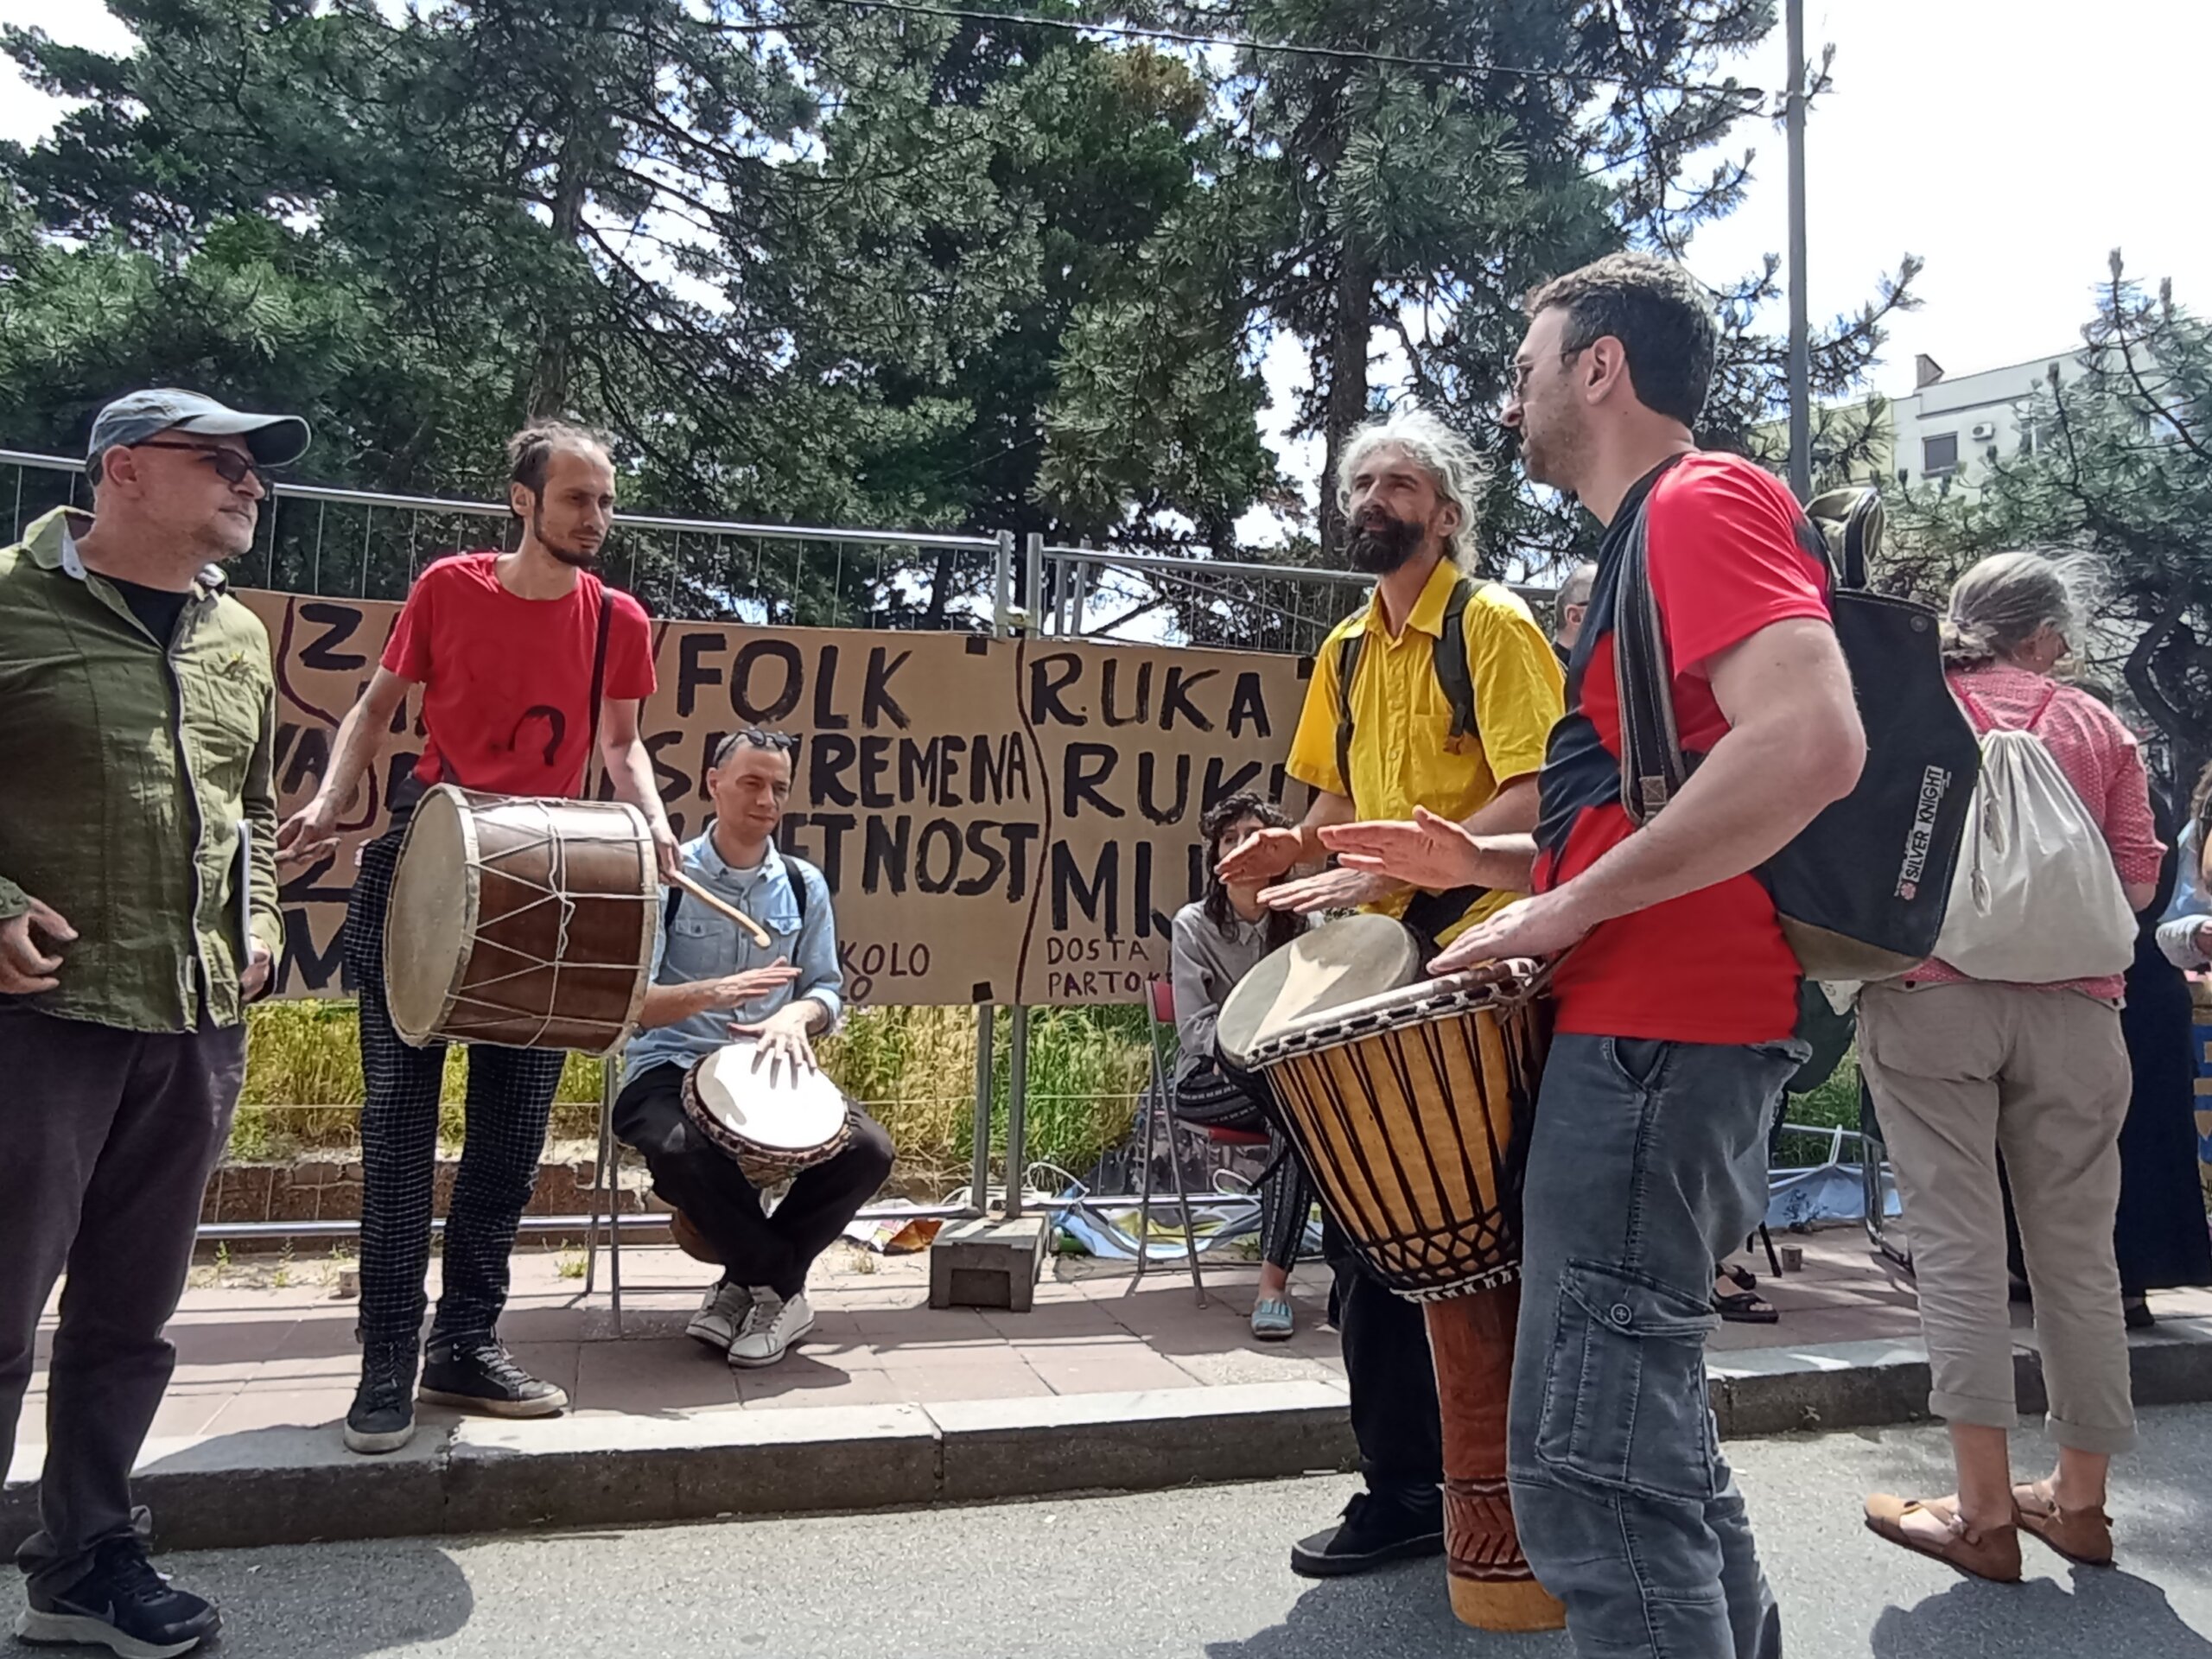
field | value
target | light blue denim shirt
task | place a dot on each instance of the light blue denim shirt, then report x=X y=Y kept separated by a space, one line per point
x=2188 y=910
x=704 y=945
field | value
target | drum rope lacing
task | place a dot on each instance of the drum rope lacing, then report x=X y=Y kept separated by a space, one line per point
x=554 y=894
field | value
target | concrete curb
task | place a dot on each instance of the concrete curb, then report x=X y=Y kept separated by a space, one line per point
x=472 y=1475
x=293 y=1485
x=1882 y=1385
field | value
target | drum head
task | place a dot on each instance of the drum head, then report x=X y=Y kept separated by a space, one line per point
x=431 y=916
x=770 y=1108
x=1316 y=973
x=1493 y=985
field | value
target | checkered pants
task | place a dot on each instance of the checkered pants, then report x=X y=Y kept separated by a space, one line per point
x=510 y=1102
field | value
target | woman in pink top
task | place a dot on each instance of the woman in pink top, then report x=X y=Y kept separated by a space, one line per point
x=1961 y=1068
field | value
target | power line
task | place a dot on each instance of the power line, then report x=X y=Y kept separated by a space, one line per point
x=1353 y=55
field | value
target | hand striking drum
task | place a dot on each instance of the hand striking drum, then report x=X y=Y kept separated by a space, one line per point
x=1410 y=1105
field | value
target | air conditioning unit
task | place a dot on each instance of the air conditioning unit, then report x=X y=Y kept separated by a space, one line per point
x=1984 y=430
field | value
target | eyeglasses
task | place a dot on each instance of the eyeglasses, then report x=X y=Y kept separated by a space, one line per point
x=231 y=466
x=1516 y=374
x=753 y=738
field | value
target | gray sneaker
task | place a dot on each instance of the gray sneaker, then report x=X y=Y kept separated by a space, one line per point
x=721 y=1316
x=772 y=1325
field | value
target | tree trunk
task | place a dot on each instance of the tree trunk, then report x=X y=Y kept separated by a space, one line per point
x=549 y=380
x=1348 y=355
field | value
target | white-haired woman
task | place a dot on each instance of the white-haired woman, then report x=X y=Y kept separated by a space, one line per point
x=1961 y=1068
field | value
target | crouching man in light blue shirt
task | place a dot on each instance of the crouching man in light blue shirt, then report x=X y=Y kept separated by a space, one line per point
x=714 y=984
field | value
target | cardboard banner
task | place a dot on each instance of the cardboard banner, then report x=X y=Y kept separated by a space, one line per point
x=1006 y=821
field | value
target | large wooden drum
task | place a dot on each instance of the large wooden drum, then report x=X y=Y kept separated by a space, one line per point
x=1409 y=1100
x=520 y=922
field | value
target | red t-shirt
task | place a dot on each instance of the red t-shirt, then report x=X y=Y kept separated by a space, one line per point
x=506 y=681
x=1730 y=552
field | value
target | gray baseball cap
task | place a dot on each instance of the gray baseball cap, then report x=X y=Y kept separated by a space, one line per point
x=136 y=416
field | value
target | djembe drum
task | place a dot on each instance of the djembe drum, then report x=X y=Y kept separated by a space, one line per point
x=522 y=922
x=1408 y=1099
x=774 y=1120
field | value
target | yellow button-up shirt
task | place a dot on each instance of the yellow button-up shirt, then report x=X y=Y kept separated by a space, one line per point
x=1402 y=752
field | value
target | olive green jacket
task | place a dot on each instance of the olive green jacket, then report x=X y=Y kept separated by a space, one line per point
x=126 y=771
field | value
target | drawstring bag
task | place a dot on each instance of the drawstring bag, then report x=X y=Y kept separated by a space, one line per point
x=2035 y=899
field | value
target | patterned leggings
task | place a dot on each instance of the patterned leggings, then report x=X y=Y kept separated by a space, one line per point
x=1209 y=1095
x=509 y=1104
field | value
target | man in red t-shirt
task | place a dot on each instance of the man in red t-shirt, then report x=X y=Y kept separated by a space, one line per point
x=1676 y=995
x=504 y=646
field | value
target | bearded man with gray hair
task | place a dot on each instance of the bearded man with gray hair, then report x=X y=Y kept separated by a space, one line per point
x=1437 y=696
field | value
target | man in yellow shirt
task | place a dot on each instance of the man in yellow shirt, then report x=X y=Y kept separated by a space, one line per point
x=1440 y=692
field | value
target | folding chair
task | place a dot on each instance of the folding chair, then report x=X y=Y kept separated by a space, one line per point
x=1164 y=1048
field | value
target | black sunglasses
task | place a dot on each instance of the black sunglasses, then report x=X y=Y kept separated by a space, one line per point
x=781 y=742
x=231 y=466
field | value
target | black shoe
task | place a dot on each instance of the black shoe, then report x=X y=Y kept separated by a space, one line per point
x=383 y=1414
x=1373 y=1530
x=2137 y=1314
x=477 y=1374
x=122 y=1605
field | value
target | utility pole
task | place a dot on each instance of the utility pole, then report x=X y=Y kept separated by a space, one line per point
x=1800 y=354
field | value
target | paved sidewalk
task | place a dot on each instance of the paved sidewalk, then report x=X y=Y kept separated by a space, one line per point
x=1108 y=1382
x=253 y=1353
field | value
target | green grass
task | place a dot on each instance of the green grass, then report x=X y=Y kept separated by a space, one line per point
x=1834 y=1104
x=914 y=1069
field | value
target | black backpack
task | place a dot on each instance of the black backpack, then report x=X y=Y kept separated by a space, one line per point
x=1861 y=892
x=1452 y=674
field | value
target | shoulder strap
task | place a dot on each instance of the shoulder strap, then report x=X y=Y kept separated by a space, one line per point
x=1452 y=674
x=598 y=668
x=2043 y=707
x=1652 y=768
x=1347 y=665
x=799 y=887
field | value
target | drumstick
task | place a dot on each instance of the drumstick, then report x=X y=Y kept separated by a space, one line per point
x=723 y=906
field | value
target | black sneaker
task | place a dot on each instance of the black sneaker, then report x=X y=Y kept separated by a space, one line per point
x=122 y=1605
x=1373 y=1530
x=382 y=1415
x=477 y=1374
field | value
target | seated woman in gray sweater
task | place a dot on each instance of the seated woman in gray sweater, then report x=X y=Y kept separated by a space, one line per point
x=1218 y=941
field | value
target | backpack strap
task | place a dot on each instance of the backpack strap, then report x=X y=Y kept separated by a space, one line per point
x=1348 y=650
x=1652 y=768
x=1452 y=674
x=798 y=868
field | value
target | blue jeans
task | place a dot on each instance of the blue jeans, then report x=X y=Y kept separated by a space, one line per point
x=1647 y=1165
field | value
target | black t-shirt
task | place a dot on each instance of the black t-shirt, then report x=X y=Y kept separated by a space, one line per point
x=156 y=607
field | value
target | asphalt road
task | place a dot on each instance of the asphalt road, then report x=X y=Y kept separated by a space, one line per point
x=1198 y=1575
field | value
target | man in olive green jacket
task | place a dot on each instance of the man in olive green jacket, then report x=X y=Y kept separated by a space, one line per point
x=138 y=916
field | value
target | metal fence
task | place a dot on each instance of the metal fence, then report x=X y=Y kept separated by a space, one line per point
x=361 y=544
x=365 y=544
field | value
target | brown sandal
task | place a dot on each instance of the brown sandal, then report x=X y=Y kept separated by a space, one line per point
x=2082 y=1536
x=1991 y=1553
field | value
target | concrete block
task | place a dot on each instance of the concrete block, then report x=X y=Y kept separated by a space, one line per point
x=607 y=1470
x=988 y=1263
x=1141 y=1441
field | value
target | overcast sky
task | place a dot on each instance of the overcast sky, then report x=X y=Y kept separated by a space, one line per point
x=2010 y=145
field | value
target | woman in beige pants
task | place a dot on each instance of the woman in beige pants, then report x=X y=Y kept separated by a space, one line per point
x=1961 y=1069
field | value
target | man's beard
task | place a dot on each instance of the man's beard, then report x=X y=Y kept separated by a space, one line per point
x=579 y=559
x=1380 y=543
x=1553 y=458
